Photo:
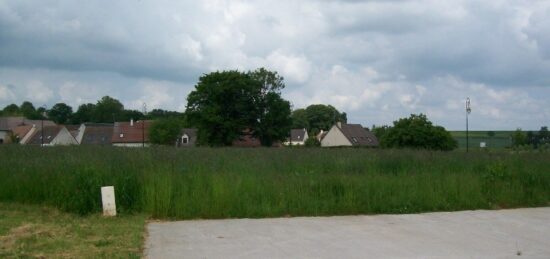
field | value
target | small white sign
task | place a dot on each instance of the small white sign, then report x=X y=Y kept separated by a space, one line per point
x=482 y=145
x=108 y=199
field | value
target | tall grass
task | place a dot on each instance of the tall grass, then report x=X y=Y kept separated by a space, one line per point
x=227 y=183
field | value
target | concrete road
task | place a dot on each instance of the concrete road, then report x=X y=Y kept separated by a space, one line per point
x=520 y=233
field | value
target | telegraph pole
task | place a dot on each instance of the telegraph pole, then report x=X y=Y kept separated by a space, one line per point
x=468 y=111
x=42 y=126
x=143 y=125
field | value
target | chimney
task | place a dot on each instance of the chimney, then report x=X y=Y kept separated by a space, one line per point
x=132 y=122
x=339 y=124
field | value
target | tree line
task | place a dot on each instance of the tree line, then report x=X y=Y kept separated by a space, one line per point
x=105 y=110
x=227 y=104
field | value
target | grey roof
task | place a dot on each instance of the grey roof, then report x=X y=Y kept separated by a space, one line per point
x=97 y=134
x=358 y=136
x=50 y=132
x=9 y=123
x=297 y=135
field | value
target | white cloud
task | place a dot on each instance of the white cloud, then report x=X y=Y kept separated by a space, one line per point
x=38 y=92
x=6 y=94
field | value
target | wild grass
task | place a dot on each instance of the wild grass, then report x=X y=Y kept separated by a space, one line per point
x=34 y=231
x=173 y=183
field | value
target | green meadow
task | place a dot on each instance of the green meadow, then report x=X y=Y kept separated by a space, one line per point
x=168 y=183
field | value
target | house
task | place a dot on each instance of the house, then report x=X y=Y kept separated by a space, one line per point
x=131 y=134
x=7 y=124
x=187 y=138
x=52 y=136
x=321 y=135
x=95 y=134
x=23 y=133
x=297 y=137
x=247 y=139
x=342 y=134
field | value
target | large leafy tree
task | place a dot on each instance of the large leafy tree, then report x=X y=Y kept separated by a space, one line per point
x=417 y=131
x=224 y=104
x=274 y=122
x=299 y=119
x=107 y=109
x=60 y=113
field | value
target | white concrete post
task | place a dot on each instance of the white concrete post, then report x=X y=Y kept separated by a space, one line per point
x=108 y=199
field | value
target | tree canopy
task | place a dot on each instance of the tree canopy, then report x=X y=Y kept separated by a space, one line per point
x=165 y=131
x=317 y=117
x=225 y=104
x=60 y=113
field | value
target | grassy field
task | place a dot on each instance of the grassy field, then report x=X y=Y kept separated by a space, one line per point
x=501 y=139
x=32 y=231
x=227 y=183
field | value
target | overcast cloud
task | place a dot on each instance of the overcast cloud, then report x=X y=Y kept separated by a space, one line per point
x=375 y=60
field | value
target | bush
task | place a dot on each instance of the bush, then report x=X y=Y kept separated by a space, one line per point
x=417 y=132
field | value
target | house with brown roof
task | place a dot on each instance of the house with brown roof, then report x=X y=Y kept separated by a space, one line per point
x=342 y=134
x=57 y=135
x=131 y=134
x=8 y=124
x=297 y=137
x=95 y=134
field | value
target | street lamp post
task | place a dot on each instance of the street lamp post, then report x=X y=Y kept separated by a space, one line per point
x=468 y=111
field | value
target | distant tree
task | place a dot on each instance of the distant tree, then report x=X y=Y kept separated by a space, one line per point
x=127 y=115
x=322 y=117
x=518 y=138
x=83 y=114
x=417 y=131
x=28 y=110
x=60 y=113
x=312 y=142
x=165 y=131
x=107 y=109
x=544 y=136
x=491 y=134
x=160 y=113
x=299 y=119
x=11 y=110
x=379 y=132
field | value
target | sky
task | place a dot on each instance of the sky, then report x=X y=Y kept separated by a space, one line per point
x=375 y=60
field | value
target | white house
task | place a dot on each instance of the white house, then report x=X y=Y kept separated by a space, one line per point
x=342 y=134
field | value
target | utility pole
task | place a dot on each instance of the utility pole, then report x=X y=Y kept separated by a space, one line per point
x=143 y=125
x=468 y=111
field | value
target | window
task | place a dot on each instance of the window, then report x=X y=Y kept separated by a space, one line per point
x=185 y=139
x=121 y=135
x=1 y=141
x=354 y=139
x=369 y=140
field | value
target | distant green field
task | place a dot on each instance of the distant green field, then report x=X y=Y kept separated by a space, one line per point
x=501 y=139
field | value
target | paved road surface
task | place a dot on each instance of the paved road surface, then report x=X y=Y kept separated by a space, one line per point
x=520 y=233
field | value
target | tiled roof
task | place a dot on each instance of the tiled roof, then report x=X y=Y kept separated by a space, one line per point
x=50 y=132
x=358 y=136
x=247 y=139
x=124 y=132
x=97 y=134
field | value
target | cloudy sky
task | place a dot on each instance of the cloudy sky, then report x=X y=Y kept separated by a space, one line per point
x=375 y=60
